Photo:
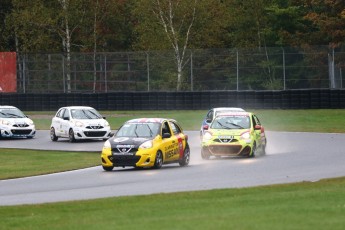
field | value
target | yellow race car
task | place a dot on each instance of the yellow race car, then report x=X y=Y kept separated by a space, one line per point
x=146 y=143
x=233 y=134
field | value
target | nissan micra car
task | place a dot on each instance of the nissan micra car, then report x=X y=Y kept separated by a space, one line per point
x=79 y=123
x=14 y=123
x=146 y=143
x=234 y=134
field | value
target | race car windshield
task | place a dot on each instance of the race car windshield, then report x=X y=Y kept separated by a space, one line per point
x=138 y=130
x=11 y=113
x=231 y=122
x=85 y=114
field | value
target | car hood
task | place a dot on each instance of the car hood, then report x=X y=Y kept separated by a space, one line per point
x=92 y=122
x=128 y=141
x=230 y=132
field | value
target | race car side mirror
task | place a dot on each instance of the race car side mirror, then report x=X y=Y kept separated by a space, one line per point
x=257 y=127
x=205 y=127
x=66 y=118
x=208 y=120
x=166 y=135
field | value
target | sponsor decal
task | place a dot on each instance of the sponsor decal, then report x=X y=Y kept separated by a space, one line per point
x=121 y=139
x=225 y=139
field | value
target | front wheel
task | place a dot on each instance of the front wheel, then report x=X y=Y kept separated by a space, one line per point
x=159 y=160
x=205 y=155
x=253 y=152
x=71 y=136
x=107 y=168
x=184 y=161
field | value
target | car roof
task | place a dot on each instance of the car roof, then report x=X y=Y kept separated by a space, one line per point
x=234 y=114
x=149 y=120
x=77 y=107
x=229 y=109
x=8 y=107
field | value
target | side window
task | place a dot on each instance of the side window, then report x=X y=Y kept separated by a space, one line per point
x=175 y=128
x=60 y=113
x=66 y=114
x=256 y=121
x=209 y=115
x=165 y=128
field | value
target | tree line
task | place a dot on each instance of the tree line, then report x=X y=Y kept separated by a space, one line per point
x=66 y=26
x=132 y=25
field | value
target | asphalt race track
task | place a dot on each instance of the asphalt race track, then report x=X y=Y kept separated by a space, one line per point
x=291 y=157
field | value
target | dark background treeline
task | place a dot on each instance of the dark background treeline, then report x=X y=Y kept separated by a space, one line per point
x=287 y=99
x=132 y=25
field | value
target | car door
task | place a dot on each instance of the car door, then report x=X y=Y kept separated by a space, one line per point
x=258 y=130
x=65 y=123
x=168 y=142
x=56 y=122
x=178 y=139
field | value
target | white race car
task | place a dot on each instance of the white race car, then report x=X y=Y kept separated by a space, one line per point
x=14 y=123
x=212 y=113
x=79 y=123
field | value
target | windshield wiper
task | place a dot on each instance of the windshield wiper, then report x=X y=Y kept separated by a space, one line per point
x=151 y=133
x=236 y=125
x=224 y=126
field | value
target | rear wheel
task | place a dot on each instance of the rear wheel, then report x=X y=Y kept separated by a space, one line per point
x=186 y=156
x=107 y=168
x=159 y=160
x=53 y=136
x=71 y=136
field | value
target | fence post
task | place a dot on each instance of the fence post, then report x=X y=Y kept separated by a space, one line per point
x=284 y=76
x=237 y=69
x=148 y=71
x=191 y=72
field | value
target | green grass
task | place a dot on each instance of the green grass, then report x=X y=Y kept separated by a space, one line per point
x=313 y=120
x=22 y=162
x=318 y=205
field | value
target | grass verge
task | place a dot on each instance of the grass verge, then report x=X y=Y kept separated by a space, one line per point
x=22 y=162
x=308 y=205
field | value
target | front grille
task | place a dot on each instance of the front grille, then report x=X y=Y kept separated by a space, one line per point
x=95 y=134
x=124 y=160
x=225 y=149
x=225 y=140
x=21 y=131
x=21 y=125
x=94 y=127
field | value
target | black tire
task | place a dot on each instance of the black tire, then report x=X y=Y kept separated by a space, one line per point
x=205 y=155
x=159 y=160
x=253 y=152
x=53 y=136
x=71 y=136
x=108 y=168
x=186 y=156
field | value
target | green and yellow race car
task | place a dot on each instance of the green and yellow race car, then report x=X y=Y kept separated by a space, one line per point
x=234 y=134
x=146 y=143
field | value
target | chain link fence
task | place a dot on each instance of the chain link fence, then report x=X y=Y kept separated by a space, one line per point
x=203 y=70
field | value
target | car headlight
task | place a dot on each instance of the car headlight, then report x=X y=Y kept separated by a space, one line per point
x=245 y=135
x=30 y=122
x=106 y=124
x=107 y=145
x=207 y=136
x=78 y=123
x=146 y=145
x=5 y=122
